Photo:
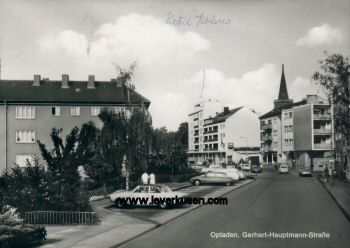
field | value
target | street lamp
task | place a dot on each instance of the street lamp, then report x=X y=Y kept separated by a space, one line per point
x=242 y=137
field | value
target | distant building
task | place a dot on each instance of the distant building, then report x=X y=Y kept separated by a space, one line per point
x=29 y=109
x=300 y=131
x=217 y=135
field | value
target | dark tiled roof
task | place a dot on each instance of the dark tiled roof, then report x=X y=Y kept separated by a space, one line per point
x=221 y=117
x=278 y=111
x=22 y=91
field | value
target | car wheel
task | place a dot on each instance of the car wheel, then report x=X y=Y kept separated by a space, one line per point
x=163 y=205
x=119 y=203
x=197 y=182
x=228 y=184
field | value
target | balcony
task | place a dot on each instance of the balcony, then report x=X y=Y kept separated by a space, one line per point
x=210 y=149
x=266 y=126
x=211 y=140
x=196 y=141
x=267 y=138
x=323 y=131
x=322 y=116
x=322 y=146
x=211 y=131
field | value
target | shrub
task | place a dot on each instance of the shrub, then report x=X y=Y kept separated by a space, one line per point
x=10 y=218
x=22 y=236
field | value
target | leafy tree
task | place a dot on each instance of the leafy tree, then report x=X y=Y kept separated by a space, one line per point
x=26 y=189
x=334 y=78
x=139 y=131
x=65 y=189
x=169 y=150
x=182 y=135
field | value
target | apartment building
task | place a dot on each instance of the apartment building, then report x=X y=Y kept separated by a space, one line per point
x=270 y=125
x=219 y=137
x=299 y=133
x=29 y=109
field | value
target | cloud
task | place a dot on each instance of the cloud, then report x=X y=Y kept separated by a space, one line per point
x=321 y=35
x=254 y=89
x=68 y=42
x=300 y=87
x=133 y=37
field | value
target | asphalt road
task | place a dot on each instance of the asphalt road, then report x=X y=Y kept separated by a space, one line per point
x=274 y=203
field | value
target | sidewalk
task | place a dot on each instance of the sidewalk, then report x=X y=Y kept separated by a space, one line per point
x=340 y=192
x=113 y=226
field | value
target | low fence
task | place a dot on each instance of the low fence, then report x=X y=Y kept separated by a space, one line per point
x=102 y=191
x=59 y=217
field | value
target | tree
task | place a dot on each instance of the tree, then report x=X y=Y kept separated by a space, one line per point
x=334 y=78
x=26 y=189
x=65 y=189
x=182 y=135
x=169 y=150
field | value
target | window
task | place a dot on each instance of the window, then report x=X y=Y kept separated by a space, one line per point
x=95 y=111
x=25 y=136
x=25 y=112
x=56 y=111
x=75 y=111
x=121 y=110
x=22 y=160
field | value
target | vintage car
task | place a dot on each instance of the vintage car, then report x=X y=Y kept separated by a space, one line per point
x=143 y=195
x=213 y=178
x=255 y=168
x=306 y=171
x=283 y=168
x=245 y=167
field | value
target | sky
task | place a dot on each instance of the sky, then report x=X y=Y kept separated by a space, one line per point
x=235 y=47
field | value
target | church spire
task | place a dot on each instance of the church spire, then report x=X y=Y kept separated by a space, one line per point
x=283 y=93
x=283 y=98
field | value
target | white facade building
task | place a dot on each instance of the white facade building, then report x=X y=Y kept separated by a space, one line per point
x=217 y=134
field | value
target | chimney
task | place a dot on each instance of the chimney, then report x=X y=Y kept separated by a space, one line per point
x=36 y=81
x=119 y=82
x=65 y=81
x=226 y=110
x=91 y=82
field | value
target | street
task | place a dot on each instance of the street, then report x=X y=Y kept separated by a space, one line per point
x=274 y=203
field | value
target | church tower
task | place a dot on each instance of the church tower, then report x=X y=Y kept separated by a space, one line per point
x=283 y=98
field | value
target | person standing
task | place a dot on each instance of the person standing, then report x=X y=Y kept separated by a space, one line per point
x=152 y=178
x=144 y=178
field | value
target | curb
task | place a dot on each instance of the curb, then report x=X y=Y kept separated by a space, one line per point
x=174 y=218
x=345 y=213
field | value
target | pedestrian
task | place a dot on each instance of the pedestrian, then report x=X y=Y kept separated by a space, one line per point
x=144 y=178
x=152 y=178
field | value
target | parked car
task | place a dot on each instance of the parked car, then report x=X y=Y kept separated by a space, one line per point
x=233 y=173
x=283 y=169
x=146 y=191
x=241 y=175
x=255 y=168
x=245 y=167
x=213 y=178
x=306 y=171
x=249 y=175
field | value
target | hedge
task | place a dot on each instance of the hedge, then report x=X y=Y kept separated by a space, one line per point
x=22 y=236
